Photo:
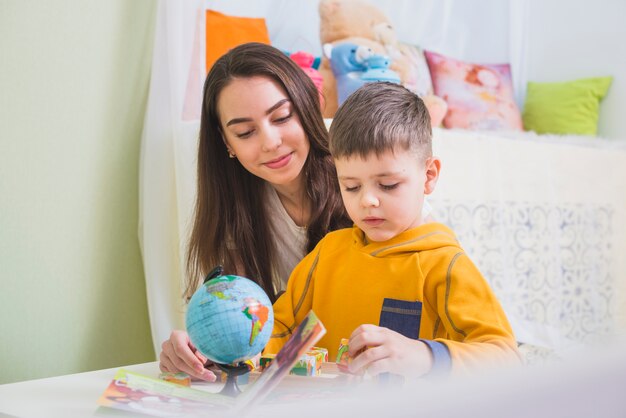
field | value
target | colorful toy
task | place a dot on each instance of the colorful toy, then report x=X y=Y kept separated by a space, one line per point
x=305 y=61
x=343 y=357
x=355 y=65
x=360 y=22
x=265 y=360
x=309 y=364
x=179 y=378
x=321 y=351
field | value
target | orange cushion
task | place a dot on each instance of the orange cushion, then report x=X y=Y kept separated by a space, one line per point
x=225 y=32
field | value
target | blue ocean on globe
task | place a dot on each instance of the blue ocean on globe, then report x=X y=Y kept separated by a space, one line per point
x=229 y=319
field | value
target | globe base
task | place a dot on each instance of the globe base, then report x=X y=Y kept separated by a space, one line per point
x=230 y=387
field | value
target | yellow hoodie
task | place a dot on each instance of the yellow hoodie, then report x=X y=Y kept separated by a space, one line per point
x=419 y=283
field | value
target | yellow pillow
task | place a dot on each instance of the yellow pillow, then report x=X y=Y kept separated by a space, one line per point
x=565 y=108
x=225 y=32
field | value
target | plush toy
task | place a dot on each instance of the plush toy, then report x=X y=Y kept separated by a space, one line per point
x=360 y=23
x=305 y=61
x=354 y=65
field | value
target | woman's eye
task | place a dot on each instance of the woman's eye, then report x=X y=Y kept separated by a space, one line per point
x=283 y=119
x=389 y=186
x=244 y=135
x=351 y=189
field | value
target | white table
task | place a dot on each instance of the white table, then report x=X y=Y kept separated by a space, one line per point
x=74 y=395
x=590 y=385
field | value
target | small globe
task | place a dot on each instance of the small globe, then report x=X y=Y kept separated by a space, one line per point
x=229 y=319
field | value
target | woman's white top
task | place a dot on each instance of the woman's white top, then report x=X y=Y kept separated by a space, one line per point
x=289 y=240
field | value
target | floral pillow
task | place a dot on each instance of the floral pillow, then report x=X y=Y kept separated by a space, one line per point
x=479 y=96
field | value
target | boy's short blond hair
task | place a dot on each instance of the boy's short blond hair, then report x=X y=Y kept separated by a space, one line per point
x=381 y=117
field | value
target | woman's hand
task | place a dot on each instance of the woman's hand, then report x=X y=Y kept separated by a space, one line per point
x=387 y=351
x=179 y=355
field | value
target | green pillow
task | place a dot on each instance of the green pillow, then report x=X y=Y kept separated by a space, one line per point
x=565 y=108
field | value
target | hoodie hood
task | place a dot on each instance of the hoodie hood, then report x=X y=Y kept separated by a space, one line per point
x=430 y=236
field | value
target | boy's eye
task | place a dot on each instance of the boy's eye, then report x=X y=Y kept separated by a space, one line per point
x=389 y=186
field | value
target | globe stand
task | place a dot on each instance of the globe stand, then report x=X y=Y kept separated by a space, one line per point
x=230 y=387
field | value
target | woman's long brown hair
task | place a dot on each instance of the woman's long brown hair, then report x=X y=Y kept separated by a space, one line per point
x=230 y=203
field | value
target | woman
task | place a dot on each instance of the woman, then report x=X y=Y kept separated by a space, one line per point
x=267 y=188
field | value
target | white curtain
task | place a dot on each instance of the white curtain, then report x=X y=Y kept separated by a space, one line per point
x=489 y=31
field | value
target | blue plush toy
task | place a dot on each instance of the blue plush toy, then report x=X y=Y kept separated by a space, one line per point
x=355 y=65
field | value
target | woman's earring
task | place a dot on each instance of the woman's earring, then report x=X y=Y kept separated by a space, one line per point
x=231 y=154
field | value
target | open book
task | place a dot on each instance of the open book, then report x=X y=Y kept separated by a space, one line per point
x=141 y=394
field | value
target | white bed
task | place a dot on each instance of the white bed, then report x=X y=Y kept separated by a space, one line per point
x=544 y=218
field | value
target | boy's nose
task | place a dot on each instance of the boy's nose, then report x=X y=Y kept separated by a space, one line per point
x=369 y=200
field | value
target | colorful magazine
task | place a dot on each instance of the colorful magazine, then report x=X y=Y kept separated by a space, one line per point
x=303 y=338
x=141 y=394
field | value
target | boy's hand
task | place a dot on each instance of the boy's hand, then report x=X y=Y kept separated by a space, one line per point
x=179 y=355
x=388 y=351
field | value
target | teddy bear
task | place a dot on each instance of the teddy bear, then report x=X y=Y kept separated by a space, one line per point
x=361 y=23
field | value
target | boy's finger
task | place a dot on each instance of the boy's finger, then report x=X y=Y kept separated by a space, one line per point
x=362 y=361
x=363 y=328
x=379 y=366
x=365 y=339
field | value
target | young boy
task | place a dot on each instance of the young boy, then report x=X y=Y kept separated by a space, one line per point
x=401 y=288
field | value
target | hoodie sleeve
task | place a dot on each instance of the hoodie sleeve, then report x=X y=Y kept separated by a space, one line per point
x=471 y=323
x=293 y=305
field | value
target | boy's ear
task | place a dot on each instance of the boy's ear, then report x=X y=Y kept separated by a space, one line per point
x=433 y=167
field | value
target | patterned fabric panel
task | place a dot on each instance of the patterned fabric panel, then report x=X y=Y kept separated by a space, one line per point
x=549 y=266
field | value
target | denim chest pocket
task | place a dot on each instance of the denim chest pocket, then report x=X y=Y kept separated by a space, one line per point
x=402 y=316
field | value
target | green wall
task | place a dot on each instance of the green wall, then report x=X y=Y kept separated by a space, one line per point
x=74 y=79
